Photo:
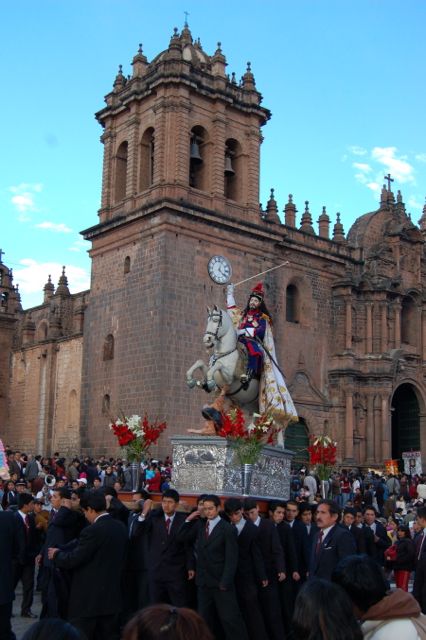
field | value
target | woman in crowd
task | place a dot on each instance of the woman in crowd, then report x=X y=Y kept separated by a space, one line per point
x=400 y=557
x=163 y=622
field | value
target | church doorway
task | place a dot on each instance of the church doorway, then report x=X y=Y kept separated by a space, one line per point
x=297 y=440
x=405 y=422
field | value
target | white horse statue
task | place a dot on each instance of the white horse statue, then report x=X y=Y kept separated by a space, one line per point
x=226 y=363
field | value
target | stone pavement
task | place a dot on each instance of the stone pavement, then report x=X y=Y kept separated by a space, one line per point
x=20 y=625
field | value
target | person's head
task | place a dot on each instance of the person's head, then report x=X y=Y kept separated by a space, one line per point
x=97 y=483
x=328 y=514
x=323 y=611
x=403 y=531
x=163 y=622
x=359 y=518
x=276 y=511
x=93 y=504
x=21 y=486
x=256 y=301
x=305 y=513
x=170 y=501
x=291 y=510
x=52 y=629
x=25 y=502
x=362 y=579
x=348 y=516
x=251 y=509
x=200 y=504
x=369 y=515
x=421 y=517
x=109 y=491
x=392 y=524
x=211 y=506
x=82 y=482
x=58 y=495
x=234 y=510
x=38 y=506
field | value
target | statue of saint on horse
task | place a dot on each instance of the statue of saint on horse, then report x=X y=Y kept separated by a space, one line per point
x=242 y=365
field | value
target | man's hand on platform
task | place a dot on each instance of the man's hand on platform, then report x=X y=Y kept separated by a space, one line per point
x=147 y=506
x=296 y=576
x=51 y=552
x=191 y=574
x=281 y=576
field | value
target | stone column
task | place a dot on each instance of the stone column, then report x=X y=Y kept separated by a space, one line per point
x=369 y=328
x=218 y=155
x=386 y=429
x=348 y=325
x=370 y=428
x=42 y=406
x=349 y=426
x=384 y=327
x=179 y=136
x=107 y=138
x=132 y=157
x=397 y=327
x=378 y=456
x=423 y=333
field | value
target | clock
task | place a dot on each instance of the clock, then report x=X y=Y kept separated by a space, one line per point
x=220 y=270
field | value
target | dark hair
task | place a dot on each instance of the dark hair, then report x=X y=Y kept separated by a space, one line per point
x=64 y=492
x=362 y=579
x=93 y=500
x=163 y=622
x=23 y=499
x=292 y=502
x=370 y=508
x=171 y=493
x=421 y=512
x=349 y=510
x=250 y=503
x=333 y=508
x=232 y=505
x=52 y=629
x=109 y=491
x=316 y=619
x=406 y=529
x=274 y=504
x=212 y=498
x=304 y=506
x=262 y=307
x=202 y=497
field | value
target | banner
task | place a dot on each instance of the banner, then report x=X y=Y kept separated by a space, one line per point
x=412 y=462
x=391 y=466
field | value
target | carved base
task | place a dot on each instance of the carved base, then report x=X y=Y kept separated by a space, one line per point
x=207 y=464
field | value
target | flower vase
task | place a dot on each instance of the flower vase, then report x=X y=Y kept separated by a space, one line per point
x=135 y=470
x=246 y=476
x=323 y=489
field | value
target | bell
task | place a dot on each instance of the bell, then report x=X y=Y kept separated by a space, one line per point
x=229 y=171
x=194 y=154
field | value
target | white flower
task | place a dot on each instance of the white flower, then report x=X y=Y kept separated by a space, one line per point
x=265 y=429
x=251 y=427
x=134 y=423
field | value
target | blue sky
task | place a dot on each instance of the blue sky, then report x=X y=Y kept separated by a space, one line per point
x=344 y=80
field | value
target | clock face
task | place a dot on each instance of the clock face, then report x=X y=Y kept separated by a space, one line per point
x=219 y=269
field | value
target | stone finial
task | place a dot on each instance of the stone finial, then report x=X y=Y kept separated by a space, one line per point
x=62 y=289
x=290 y=212
x=338 y=232
x=48 y=289
x=248 y=79
x=139 y=63
x=233 y=78
x=422 y=220
x=324 y=224
x=306 y=222
x=384 y=196
x=120 y=80
x=218 y=62
x=186 y=36
x=272 y=210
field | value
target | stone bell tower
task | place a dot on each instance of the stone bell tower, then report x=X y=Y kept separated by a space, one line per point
x=180 y=176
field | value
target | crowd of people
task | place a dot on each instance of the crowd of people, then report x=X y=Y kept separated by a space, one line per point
x=316 y=566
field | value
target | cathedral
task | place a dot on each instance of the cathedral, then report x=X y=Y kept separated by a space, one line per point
x=180 y=184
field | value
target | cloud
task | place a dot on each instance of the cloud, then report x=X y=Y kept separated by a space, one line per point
x=358 y=151
x=414 y=203
x=79 y=246
x=401 y=170
x=374 y=186
x=362 y=166
x=32 y=276
x=421 y=157
x=53 y=226
x=23 y=198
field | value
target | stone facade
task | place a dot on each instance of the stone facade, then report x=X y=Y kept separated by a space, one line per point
x=181 y=183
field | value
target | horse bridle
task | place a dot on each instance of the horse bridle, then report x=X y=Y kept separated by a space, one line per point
x=219 y=324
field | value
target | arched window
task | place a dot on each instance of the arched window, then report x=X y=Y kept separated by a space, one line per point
x=42 y=330
x=147 y=159
x=292 y=303
x=198 y=159
x=297 y=440
x=233 y=170
x=72 y=409
x=109 y=347
x=127 y=264
x=121 y=172
x=106 y=404
x=408 y=321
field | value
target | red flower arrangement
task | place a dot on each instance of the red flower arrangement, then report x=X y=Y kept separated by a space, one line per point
x=250 y=440
x=322 y=455
x=136 y=435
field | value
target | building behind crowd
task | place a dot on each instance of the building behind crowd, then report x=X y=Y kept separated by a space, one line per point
x=180 y=184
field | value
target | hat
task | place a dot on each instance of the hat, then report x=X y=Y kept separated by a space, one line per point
x=83 y=480
x=258 y=292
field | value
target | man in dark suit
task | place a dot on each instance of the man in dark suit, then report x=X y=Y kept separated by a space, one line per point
x=332 y=543
x=251 y=572
x=348 y=521
x=300 y=542
x=171 y=562
x=419 y=587
x=24 y=568
x=216 y=548
x=96 y=562
x=135 y=574
x=306 y=518
x=273 y=557
x=381 y=539
x=9 y=545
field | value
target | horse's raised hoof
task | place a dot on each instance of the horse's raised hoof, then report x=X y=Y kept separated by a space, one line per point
x=191 y=383
x=210 y=385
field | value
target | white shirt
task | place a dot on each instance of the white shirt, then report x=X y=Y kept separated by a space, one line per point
x=100 y=516
x=257 y=522
x=240 y=525
x=213 y=523
x=325 y=532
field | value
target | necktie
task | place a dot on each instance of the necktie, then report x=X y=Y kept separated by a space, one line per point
x=207 y=529
x=319 y=543
x=168 y=523
x=419 y=545
x=27 y=525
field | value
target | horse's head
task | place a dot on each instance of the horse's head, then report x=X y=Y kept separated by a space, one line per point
x=215 y=328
